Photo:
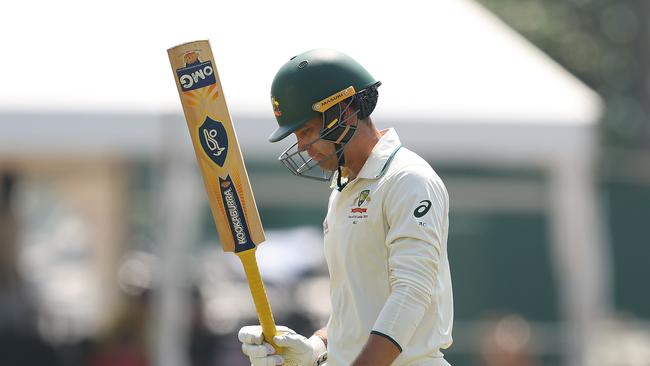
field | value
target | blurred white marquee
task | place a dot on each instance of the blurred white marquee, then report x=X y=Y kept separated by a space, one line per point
x=443 y=58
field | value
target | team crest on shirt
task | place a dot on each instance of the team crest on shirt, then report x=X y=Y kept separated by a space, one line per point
x=358 y=211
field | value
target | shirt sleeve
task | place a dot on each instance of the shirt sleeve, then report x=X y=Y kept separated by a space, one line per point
x=415 y=210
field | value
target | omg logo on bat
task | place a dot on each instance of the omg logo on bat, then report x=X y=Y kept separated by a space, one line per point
x=214 y=140
x=195 y=74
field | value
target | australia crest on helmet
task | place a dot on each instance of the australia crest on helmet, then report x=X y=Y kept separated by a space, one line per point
x=276 y=106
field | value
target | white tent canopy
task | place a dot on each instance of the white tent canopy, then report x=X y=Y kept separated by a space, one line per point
x=447 y=62
x=446 y=58
x=93 y=78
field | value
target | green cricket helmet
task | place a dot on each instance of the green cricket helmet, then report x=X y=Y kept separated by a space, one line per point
x=305 y=85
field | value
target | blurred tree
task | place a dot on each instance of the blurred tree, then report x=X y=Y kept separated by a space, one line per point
x=605 y=43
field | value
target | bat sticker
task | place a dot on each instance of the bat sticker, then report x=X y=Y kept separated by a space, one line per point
x=214 y=140
x=235 y=215
x=195 y=74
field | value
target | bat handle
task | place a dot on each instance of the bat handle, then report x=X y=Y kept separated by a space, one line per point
x=260 y=299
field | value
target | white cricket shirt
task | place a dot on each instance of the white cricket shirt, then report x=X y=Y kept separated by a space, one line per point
x=386 y=251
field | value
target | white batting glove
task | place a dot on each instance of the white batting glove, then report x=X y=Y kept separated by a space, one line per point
x=298 y=350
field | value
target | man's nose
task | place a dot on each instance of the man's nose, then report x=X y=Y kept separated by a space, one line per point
x=303 y=145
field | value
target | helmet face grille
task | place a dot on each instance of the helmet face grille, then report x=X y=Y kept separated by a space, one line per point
x=301 y=164
x=335 y=130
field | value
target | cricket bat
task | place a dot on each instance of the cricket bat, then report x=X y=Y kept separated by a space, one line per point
x=222 y=166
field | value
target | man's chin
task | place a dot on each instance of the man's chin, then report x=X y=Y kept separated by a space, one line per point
x=328 y=165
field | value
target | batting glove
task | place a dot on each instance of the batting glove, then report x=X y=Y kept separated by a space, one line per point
x=297 y=349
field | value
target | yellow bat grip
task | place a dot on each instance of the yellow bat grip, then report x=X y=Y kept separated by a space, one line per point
x=256 y=286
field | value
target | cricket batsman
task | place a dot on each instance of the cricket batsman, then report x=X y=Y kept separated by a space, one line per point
x=385 y=232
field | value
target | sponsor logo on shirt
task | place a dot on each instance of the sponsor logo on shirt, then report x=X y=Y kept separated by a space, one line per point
x=422 y=209
x=358 y=212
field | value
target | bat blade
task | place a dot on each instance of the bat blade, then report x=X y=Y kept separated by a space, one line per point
x=216 y=146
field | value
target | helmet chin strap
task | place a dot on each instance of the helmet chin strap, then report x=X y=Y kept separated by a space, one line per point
x=341 y=162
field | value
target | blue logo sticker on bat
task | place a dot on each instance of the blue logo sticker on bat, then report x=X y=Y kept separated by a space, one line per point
x=214 y=140
x=235 y=214
x=195 y=75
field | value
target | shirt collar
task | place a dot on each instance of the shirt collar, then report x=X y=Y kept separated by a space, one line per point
x=380 y=157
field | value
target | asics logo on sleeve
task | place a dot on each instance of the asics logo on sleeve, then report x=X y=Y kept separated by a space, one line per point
x=422 y=209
